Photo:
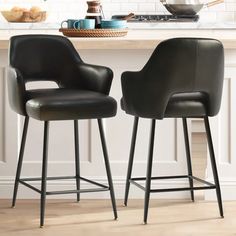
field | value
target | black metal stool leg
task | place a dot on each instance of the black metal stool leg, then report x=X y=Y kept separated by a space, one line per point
x=20 y=161
x=213 y=164
x=149 y=171
x=77 y=164
x=44 y=173
x=188 y=156
x=108 y=169
x=131 y=159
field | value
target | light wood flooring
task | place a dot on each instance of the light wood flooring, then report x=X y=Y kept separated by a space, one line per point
x=94 y=217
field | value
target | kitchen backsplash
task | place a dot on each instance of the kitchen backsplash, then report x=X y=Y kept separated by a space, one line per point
x=63 y=9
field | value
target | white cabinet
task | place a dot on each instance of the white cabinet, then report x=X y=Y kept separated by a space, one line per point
x=224 y=132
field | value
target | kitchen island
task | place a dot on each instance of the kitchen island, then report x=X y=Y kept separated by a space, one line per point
x=137 y=38
x=120 y=54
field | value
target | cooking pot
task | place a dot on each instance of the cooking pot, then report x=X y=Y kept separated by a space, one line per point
x=187 y=7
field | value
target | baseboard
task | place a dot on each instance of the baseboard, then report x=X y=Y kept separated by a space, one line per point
x=228 y=188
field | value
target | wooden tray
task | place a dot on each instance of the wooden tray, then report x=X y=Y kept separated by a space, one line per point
x=94 y=32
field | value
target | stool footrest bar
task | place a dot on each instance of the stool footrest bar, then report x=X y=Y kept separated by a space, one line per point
x=181 y=189
x=102 y=186
x=93 y=182
x=29 y=186
x=49 y=178
x=201 y=180
x=162 y=177
x=77 y=191
x=209 y=185
x=138 y=185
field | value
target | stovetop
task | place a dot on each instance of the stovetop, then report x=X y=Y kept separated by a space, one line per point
x=159 y=18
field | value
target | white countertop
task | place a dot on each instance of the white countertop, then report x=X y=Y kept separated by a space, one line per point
x=140 y=35
x=135 y=39
x=166 y=25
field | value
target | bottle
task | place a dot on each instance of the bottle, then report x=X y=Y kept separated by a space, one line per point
x=94 y=12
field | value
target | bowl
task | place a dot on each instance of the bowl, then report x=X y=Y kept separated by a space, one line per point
x=113 y=24
x=24 y=16
x=12 y=16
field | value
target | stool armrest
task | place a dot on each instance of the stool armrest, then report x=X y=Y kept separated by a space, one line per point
x=96 y=78
x=131 y=89
x=142 y=96
x=16 y=90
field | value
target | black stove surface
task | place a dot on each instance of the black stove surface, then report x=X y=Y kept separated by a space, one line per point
x=159 y=18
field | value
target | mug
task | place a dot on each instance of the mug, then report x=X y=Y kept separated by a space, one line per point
x=87 y=24
x=71 y=23
x=79 y=24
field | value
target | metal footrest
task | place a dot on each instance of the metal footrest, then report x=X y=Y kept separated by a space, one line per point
x=100 y=189
x=209 y=185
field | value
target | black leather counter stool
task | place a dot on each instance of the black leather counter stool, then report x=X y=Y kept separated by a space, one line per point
x=182 y=79
x=82 y=93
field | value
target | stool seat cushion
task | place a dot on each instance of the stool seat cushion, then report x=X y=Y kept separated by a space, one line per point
x=69 y=104
x=184 y=105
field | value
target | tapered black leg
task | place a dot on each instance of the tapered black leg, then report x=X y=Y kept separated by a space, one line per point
x=44 y=173
x=77 y=164
x=213 y=164
x=108 y=169
x=149 y=171
x=131 y=159
x=20 y=161
x=188 y=156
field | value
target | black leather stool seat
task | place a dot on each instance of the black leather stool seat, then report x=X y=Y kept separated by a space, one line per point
x=68 y=104
x=184 y=105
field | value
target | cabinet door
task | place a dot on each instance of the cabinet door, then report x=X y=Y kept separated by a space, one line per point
x=224 y=134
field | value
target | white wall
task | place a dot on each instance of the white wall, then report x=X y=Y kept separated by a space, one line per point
x=64 y=9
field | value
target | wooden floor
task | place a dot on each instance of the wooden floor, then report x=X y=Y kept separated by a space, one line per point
x=94 y=217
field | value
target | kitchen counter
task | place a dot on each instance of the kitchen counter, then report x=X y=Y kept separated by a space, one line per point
x=136 y=39
x=141 y=25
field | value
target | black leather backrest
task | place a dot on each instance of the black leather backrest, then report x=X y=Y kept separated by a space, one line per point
x=44 y=57
x=51 y=58
x=185 y=65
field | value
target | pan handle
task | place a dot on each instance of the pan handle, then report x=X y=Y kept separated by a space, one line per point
x=128 y=16
x=210 y=4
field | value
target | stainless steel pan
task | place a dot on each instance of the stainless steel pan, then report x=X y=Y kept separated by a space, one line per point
x=187 y=7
